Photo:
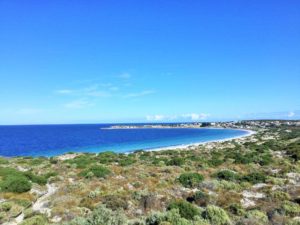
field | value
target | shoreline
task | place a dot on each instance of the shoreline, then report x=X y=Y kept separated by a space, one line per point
x=196 y=144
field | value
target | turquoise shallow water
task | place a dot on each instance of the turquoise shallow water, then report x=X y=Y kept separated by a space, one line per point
x=50 y=140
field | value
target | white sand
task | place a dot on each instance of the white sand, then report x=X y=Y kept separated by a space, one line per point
x=249 y=133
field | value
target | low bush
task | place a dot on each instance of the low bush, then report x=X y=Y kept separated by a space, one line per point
x=216 y=215
x=186 y=209
x=148 y=201
x=190 y=180
x=23 y=202
x=255 y=178
x=177 y=161
x=293 y=151
x=3 y=161
x=41 y=180
x=35 y=220
x=17 y=184
x=257 y=216
x=291 y=208
x=5 y=206
x=107 y=157
x=245 y=158
x=215 y=162
x=127 y=161
x=280 y=196
x=97 y=171
x=227 y=175
x=101 y=216
x=81 y=161
x=200 y=198
x=115 y=202
x=37 y=161
x=236 y=209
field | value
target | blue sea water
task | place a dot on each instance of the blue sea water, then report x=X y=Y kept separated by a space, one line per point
x=51 y=140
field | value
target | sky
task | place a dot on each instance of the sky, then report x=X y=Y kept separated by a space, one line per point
x=114 y=61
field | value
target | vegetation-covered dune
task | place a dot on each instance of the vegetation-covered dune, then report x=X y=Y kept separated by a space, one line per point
x=254 y=180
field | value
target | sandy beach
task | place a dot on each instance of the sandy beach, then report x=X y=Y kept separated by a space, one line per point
x=196 y=144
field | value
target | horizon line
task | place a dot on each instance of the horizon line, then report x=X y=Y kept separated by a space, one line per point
x=149 y=122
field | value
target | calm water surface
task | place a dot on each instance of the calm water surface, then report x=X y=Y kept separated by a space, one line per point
x=50 y=140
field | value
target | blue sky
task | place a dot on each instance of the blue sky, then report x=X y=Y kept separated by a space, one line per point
x=136 y=61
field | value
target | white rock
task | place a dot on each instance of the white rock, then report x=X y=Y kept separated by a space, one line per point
x=294 y=178
x=275 y=187
x=247 y=203
x=56 y=219
x=251 y=194
x=20 y=168
x=130 y=186
x=274 y=171
x=260 y=185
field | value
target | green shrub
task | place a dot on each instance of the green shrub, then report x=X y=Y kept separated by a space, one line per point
x=293 y=151
x=98 y=171
x=177 y=161
x=293 y=222
x=23 y=202
x=5 y=206
x=101 y=216
x=6 y=171
x=35 y=220
x=11 y=172
x=256 y=215
x=291 y=208
x=3 y=161
x=280 y=196
x=265 y=159
x=37 y=161
x=186 y=209
x=53 y=160
x=200 y=198
x=155 y=219
x=240 y=158
x=216 y=215
x=227 y=175
x=18 y=184
x=236 y=209
x=190 y=180
x=127 y=162
x=171 y=217
x=255 y=178
x=107 y=157
x=228 y=185
x=81 y=161
x=50 y=174
x=36 y=179
x=115 y=202
x=215 y=162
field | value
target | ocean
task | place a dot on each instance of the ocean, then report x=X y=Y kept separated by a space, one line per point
x=51 y=140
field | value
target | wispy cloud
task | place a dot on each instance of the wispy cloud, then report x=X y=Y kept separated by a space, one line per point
x=29 y=111
x=78 y=104
x=95 y=90
x=155 y=117
x=183 y=117
x=125 y=76
x=291 y=114
x=64 y=91
x=139 y=94
x=195 y=116
x=114 y=88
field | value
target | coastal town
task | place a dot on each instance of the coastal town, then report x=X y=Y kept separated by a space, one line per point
x=245 y=124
